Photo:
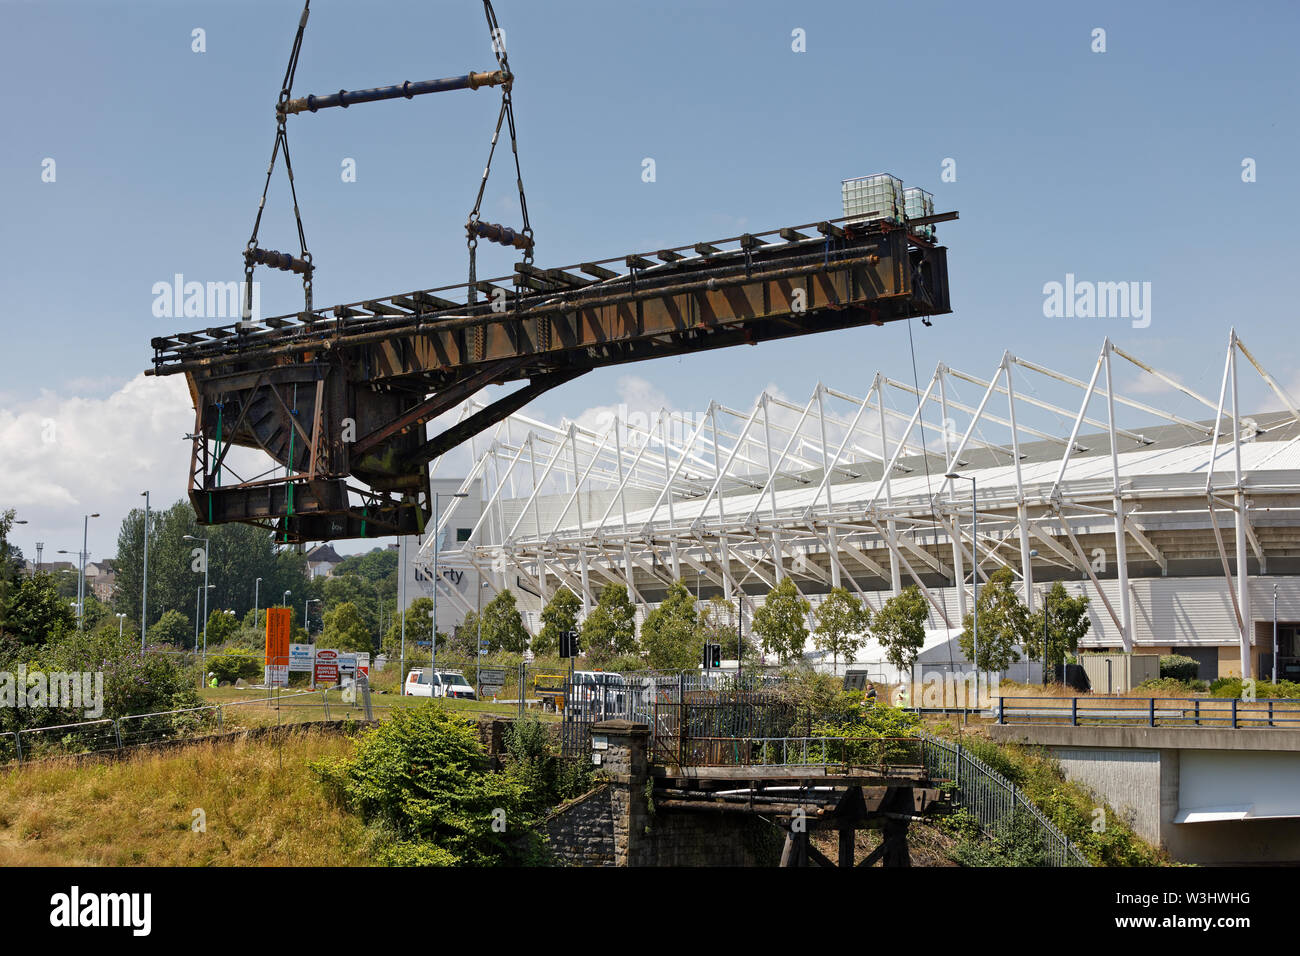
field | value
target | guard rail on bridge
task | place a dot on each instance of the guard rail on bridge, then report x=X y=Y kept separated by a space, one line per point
x=830 y=753
x=1216 y=712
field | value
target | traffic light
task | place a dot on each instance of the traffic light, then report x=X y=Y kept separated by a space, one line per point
x=717 y=654
x=712 y=656
x=569 y=644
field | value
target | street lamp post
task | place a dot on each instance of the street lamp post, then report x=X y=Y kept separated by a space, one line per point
x=144 y=585
x=75 y=604
x=433 y=637
x=401 y=610
x=305 y=604
x=81 y=579
x=121 y=619
x=206 y=587
x=257 y=589
x=975 y=575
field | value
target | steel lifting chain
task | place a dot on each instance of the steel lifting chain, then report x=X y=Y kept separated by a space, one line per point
x=507 y=117
x=252 y=254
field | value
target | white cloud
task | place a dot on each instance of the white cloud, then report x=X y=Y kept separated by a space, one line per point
x=61 y=457
x=639 y=403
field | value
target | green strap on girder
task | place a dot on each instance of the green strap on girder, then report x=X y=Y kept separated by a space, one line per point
x=288 y=470
x=220 y=407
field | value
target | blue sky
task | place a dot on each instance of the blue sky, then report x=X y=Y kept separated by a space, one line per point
x=1115 y=166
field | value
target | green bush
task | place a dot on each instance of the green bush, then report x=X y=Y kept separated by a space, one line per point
x=423 y=775
x=1016 y=841
x=532 y=760
x=1070 y=807
x=1229 y=687
x=1179 y=667
x=1160 y=686
x=234 y=663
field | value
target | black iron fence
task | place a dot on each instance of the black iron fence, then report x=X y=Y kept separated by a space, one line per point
x=992 y=800
x=676 y=706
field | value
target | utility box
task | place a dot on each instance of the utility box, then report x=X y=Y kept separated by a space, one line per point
x=1119 y=673
x=869 y=198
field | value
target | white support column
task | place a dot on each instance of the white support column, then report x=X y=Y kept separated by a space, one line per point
x=895 y=575
x=1121 y=537
x=958 y=565
x=953 y=528
x=1022 y=517
x=586 y=582
x=1243 y=559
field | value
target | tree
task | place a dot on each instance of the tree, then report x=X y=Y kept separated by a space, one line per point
x=899 y=627
x=842 y=621
x=559 y=615
x=172 y=628
x=464 y=639
x=375 y=566
x=671 y=636
x=781 y=621
x=222 y=626
x=346 y=630
x=10 y=561
x=1003 y=624
x=419 y=623
x=36 y=613
x=503 y=625
x=610 y=628
x=238 y=555
x=1067 y=623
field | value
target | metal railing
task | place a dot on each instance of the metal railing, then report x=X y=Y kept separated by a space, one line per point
x=677 y=707
x=122 y=733
x=1221 y=712
x=879 y=754
x=992 y=800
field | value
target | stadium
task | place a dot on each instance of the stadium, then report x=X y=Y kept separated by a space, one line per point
x=1142 y=496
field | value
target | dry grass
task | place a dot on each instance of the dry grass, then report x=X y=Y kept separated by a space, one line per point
x=263 y=808
x=253 y=709
x=927 y=845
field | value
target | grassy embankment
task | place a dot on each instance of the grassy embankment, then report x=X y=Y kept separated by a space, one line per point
x=263 y=807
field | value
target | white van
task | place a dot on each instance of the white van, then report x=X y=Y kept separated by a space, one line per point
x=445 y=684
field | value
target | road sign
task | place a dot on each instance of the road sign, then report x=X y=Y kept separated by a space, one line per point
x=300 y=658
x=327 y=667
x=348 y=666
x=491 y=679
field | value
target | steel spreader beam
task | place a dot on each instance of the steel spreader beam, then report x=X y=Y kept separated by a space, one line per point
x=345 y=98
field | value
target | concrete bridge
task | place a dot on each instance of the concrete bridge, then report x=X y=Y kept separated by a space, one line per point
x=1212 y=795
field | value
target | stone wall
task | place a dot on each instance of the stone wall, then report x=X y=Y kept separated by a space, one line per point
x=581 y=832
x=695 y=838
x=616 y=824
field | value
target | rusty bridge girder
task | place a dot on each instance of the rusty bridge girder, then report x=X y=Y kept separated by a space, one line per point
x=339 y=397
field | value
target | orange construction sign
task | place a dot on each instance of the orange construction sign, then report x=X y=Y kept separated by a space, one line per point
x=277 y=641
